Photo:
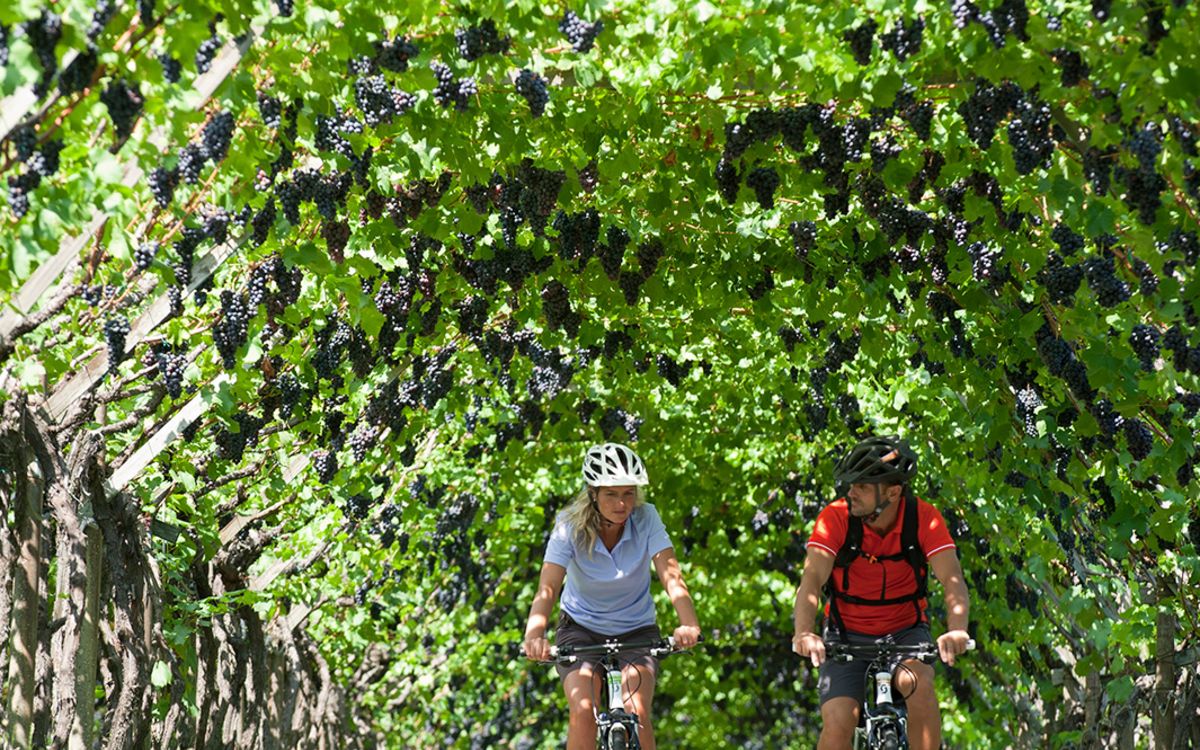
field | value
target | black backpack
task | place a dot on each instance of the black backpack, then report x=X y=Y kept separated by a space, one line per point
x=851 y=550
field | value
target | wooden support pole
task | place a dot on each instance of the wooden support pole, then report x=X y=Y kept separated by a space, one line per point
x=89 y=644
x=26 y=595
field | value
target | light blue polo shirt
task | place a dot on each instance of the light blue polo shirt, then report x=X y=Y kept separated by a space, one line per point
x=610 y=593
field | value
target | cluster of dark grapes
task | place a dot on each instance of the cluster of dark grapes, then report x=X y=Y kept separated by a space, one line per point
x=1028 y=405
x=43 y=33
x=336 y=234
x=1138 y=438
x=790 y=337
x=1185 y=357
x=217 y=135
x=451 y=91
x=162 y=185
x=1029 y=134
x=985 y=261
x=1143 y=191
x=171 y=364
x=394 y=54
x=589 y=177
x=1061 y=280
x=840 y=351
x=1097 y=167
x=1185 y=133
x=104 y=12
x=24 y=140
x=612 y=252
x=615 y=419
x=904 y=38
x=124 y=103
x=271 y=110
x=804 y=237
x=1072 y=66
x=532 y=87
x=326 y=464
x=143 y=257
x=379 y=103
x=556 y=306
x=146 y=11
x=578 y=234
x=580 y=33
x=552 y=368
x=883 y=150
x=209 y=48
x=983 y=110
x=4 y=33
x=728 y=179
x=1144 y=339
x=671 y=370
x=1061 y=361
x=1146 y=144
x=763 y=181
x=286 y=8
x=185 y=248
x=1100 y=271
x=476 y=41
x=232 y=329
x=1068 y=241
x=172 y=68
x=115 y=330
x=79 y=72
x=530 y=195
x=861 y=39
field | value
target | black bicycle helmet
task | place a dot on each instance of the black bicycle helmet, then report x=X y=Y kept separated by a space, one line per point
x=876 y=460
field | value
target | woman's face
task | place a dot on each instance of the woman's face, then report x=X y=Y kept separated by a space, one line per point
x=616 y=503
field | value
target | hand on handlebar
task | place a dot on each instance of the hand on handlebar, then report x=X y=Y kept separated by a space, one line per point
x=686 y=636
x=952 y=643
x=810 y=645
x=537 y=648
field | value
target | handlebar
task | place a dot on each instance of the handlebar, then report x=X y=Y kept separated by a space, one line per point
x=570 y=654
x=844 y=652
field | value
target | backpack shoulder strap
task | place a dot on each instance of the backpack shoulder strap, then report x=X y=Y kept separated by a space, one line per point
x=851 y=545
x=911 y=543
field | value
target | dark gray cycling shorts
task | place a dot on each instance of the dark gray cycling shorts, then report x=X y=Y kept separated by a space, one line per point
x=571 y=633
x=849 y=679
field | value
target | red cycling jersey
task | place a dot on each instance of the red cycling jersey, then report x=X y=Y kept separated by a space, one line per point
x=879 y=579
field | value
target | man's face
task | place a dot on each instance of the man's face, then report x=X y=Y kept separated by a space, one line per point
x=862 y=497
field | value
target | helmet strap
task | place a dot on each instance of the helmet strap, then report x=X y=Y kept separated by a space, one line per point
x=880 y=504
x=596 y=507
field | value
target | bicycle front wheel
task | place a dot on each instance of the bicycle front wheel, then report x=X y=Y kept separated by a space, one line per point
x=889 y=739
x=618 y=738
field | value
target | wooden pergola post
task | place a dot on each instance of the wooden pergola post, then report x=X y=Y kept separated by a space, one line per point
x=26 y=583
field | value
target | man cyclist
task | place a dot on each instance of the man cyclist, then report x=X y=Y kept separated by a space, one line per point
x=603 y=544
x=874 y=589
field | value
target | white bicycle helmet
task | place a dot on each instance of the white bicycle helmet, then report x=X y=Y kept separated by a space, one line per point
x=611 y=465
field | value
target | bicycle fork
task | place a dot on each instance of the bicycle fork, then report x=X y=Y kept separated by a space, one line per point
x=616 y=718
x=886 y=725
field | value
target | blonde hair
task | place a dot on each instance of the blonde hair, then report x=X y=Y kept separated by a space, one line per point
x=584 y=517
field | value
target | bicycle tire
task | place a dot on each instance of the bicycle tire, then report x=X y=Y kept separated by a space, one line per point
x=618 y=738
x=889 y=738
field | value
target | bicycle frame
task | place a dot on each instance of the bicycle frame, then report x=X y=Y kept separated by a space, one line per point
x=613 y=718
x=884 y=725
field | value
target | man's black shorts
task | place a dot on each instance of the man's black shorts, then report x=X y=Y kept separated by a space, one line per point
x=849 y=679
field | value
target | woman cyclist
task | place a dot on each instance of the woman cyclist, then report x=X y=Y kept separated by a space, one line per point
x=602 y=545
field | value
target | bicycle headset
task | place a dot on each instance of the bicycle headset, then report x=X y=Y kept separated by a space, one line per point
x=878 y=460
